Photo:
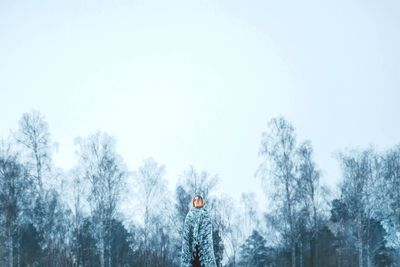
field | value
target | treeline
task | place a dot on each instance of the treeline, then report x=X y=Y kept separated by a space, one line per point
x=360 y=227
x=101 y=213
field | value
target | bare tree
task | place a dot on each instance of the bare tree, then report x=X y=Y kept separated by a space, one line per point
x=199 y=182
x=79 y=201
x=182 y=203
x=278 y=148
x=104 y=169
x=310 y=192
x=236 y=222
x=250 y=209
x=229 y=221
x=154 y=202
x=34 y=137
x=387 y=194
x=361 y=175
x=14 y=184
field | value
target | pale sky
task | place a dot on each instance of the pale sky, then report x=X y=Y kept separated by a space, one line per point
x=195 y=82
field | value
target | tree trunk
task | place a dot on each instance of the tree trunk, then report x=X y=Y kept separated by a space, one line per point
x=108 y=242
x=315 y=240
x=368 y=256
x=18 y=248
x=102 y=251
x=312 y=252
x=301 y=253
x=293 y=254
x=10 y=248
x=360 y=245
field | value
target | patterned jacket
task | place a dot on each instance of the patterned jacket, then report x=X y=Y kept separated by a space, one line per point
x=198 y=231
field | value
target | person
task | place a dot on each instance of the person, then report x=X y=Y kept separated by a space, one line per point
x=197 y=243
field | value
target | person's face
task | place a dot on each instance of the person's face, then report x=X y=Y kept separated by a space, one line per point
x=198 y=202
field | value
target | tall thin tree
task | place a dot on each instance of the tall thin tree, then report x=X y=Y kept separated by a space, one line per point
x=278 y=149
x=104 y=169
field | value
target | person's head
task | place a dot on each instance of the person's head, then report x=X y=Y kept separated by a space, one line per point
x=198 y=202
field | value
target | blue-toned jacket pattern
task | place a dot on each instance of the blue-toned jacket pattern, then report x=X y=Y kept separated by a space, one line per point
x=197 y=230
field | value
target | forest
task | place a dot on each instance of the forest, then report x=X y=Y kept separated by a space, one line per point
x=55 y=217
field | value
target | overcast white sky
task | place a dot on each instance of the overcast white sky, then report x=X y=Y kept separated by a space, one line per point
x=195 y=82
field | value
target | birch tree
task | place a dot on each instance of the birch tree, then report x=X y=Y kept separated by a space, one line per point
x=310 y=193
x=34 y=137
x=14 y=185
x=388 y=192
x=36 y=149
x=360 y=174
x=154 y=203
x=105 y=171
x=278 y=150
